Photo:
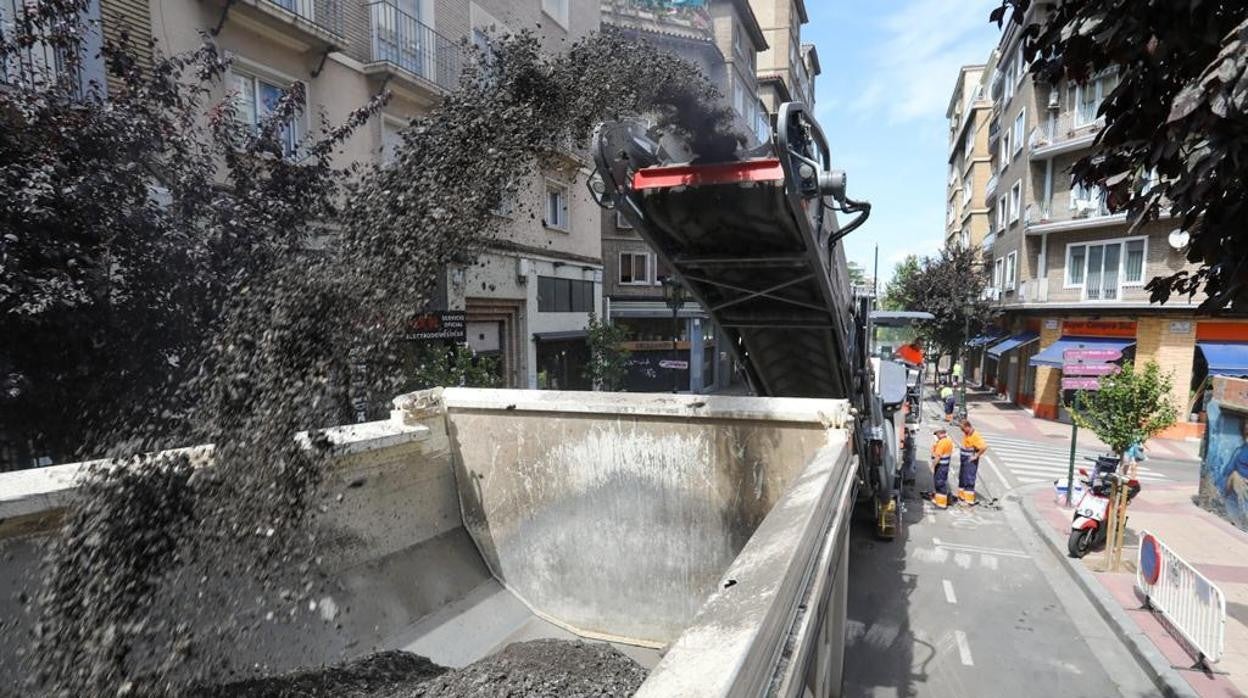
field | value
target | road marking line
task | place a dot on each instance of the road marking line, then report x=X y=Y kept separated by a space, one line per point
x=989 y=561
x=992 y=463
x=1004 y=552
x=964 y=648
x=949 y=595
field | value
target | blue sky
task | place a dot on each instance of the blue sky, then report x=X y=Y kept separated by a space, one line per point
x=889 y=67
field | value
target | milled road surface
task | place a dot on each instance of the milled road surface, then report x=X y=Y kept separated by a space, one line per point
x=970 y=602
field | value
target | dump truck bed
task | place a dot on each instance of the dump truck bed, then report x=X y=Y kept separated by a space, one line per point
x=702 y=526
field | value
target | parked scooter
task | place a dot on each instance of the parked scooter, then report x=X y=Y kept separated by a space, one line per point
x=1088 y=529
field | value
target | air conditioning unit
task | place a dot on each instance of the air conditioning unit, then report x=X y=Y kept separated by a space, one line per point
x=1083 y=209
x=1055 y=99
x=992 y=294
x=524 y=267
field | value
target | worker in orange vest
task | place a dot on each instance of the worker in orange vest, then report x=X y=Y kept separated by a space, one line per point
x=942 y=457
x=973 y=448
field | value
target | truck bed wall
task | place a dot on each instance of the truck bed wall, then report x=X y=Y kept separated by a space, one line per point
x=615 y=515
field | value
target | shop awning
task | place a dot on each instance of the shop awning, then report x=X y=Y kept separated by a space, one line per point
x=1225 y=358
x=1052 y=355
x=983 y=339
x=1018 y=340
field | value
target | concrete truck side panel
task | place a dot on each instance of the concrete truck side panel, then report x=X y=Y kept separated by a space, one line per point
x=618 y=521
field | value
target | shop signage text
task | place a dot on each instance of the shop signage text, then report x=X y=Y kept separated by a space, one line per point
x=440 y=324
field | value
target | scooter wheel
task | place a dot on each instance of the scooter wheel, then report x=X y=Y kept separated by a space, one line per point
x=1080 y=542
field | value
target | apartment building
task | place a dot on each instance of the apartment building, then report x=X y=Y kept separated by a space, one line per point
x=1065 y=270
x=724 y=39
x=787 y=68
x=970 y=166
x=528 y=298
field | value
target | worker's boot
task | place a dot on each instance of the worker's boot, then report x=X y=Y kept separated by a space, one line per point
x=940 y=500
x=967 y=497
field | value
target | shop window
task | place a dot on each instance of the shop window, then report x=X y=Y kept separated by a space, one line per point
x=555 y=295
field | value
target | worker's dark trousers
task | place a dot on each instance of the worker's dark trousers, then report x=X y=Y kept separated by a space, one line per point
x=967 y=472
x=940 y=476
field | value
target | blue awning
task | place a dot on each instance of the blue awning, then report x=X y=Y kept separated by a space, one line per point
x=983 y=339
x=1225 y=358
x=1052 y=354
x=1018 y=340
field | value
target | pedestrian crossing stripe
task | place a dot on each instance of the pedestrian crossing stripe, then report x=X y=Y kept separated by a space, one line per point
x=1030 y=462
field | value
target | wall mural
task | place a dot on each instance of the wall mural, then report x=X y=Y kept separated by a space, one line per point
x=1224 y=468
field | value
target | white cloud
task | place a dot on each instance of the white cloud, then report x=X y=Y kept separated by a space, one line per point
x=916 y=65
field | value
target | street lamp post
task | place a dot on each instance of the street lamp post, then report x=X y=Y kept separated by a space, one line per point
x=674 y=296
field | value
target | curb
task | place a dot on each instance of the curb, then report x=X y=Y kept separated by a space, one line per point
x=1158 y=668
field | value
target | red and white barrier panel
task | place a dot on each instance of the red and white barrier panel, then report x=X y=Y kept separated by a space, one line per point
x=1195 y=606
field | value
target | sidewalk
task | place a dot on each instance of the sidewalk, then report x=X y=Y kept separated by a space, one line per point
x=1000 y=416
x=1215 y=547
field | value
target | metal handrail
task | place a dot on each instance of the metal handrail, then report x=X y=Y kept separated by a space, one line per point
x=400 y=39
x=325 y=14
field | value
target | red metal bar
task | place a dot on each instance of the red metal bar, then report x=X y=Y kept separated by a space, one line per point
x=723 y=173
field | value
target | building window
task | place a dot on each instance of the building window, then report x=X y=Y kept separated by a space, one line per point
x=965 y=238
x=1088 y=200
x=1011 y=77
x=557 y=10
x=391 y=138
x=1005 y=150
x=762 y=124
x=1102 y=268
x=256 y=98
x=1088 y=98
x=556 y=206
x=1011 y=271
x=738 y=96
x=555 y=295
x=634 y=269
x=1020 y=123
x=1016 y=200
x=998 y=272
x=1133 y=265
x=1003 y=212
x=968 y=142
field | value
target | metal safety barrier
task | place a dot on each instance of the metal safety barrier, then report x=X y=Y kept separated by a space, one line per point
x=1193 y=605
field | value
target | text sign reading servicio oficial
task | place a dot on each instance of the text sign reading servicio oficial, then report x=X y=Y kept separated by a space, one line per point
x=1089 y=369
x=1071 y=356
x=1081 y=384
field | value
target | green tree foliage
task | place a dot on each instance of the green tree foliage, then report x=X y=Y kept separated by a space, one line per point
x=903 y=274
x=608 y=359
x=452 y=366
x=1131 y=407
x=950 y=287
x=857 y=276
x=1179 y=110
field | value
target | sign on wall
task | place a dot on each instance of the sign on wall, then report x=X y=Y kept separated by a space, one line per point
x=447 y=325
x=1099 y=328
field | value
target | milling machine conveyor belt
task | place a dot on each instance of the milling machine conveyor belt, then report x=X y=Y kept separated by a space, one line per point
x=754 y=241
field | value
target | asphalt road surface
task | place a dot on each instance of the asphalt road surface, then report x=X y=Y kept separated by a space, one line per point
x=970 y=602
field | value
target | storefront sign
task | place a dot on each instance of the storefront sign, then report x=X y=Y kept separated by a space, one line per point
x=1099 y=328
x=1050 y=324
x=1081 y=384
x=1089 y=369
x=439 y=325
x=656 y=345
x=1091 y=355
x=678 y=365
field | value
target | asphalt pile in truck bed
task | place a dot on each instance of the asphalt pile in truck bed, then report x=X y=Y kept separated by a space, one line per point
x=535 y=668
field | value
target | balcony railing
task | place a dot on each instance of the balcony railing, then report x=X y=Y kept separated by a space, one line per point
x=1063 y=132
x=992 y=184
x=1034 y=291
x=1083 y=210
x=325 y=15
x=994 y=133
x=404 y=41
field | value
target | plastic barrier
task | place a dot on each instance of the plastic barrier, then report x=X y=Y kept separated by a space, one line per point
x=1193 y=605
